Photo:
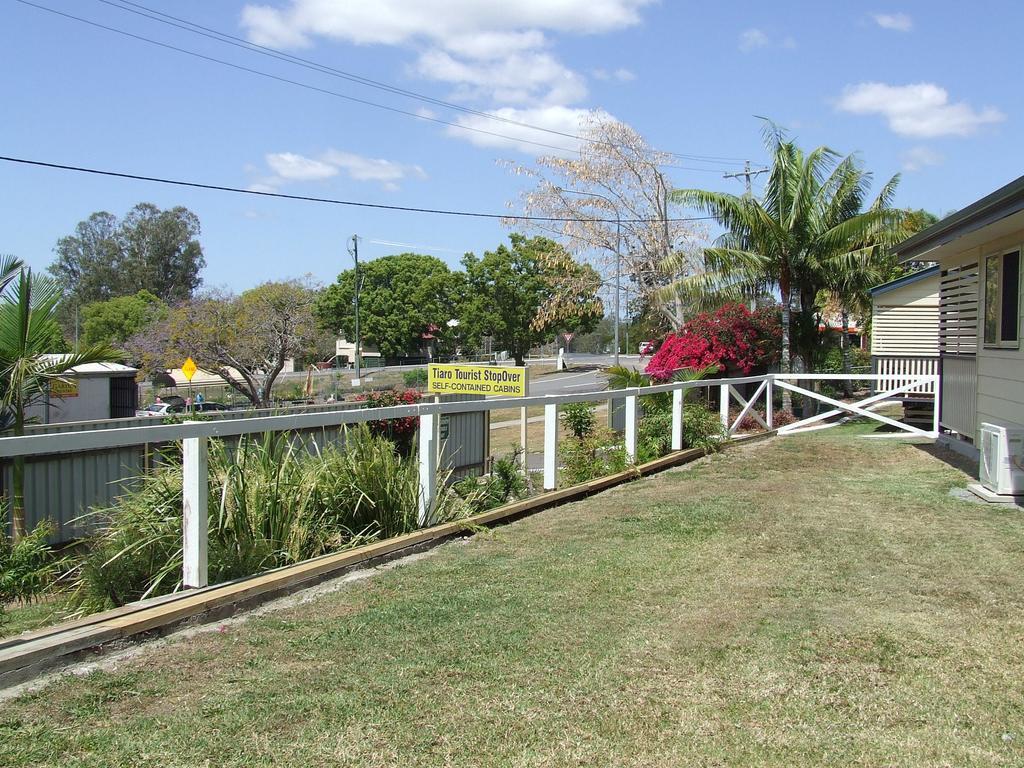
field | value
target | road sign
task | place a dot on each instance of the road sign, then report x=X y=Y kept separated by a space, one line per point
x=503 y=381
x=189 y=368
x=568 y=336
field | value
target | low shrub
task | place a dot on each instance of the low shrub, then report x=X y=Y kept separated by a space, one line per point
x=579 y=419
x=702 y=428
x=596 y=455
x=27 y=567
x=780 y=418
x=505 y=484
x=654 y=436
x=415 y=379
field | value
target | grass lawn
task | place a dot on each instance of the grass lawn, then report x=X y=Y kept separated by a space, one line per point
x=814 y=600
x=22 y=618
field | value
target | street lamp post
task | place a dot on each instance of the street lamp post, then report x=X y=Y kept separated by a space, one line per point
x=354 y=250
x=618 y=255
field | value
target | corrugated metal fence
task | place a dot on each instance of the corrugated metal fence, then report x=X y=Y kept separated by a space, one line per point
x=63 y=486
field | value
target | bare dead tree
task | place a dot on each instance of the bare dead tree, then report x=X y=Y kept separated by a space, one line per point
x=615 y=187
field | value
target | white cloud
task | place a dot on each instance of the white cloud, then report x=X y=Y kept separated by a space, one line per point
x=397 y=22
x=290 y=167
x=494 y=45
x=493 y=54
x=520 y=78
x=370 y=169
x=751 y=39
x=554 y=117
x=918 y=158
x=621 y=74
x=900 y=22
x=922 y=110
x=754 y=39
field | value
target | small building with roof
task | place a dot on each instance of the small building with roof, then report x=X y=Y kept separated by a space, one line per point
x=89 y=392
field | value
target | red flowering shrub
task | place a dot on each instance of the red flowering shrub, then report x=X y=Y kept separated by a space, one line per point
x=732 y=338
x=399 y=431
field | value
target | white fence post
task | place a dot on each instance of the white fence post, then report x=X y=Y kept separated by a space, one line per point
x=632 y=422
x=524 y=436
x=429 y=423
x=677 y=419
x=723 y=405
x=936 y=388
x=550 y=446
x=195 y=525
x=769 y=402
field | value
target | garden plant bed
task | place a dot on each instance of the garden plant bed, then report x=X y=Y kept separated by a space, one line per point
x=809 y=601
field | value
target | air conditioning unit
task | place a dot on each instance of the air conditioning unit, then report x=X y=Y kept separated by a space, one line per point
x=1002 y=460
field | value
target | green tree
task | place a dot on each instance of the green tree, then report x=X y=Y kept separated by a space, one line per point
x=29 y=332
x=521 y=295
x=400 y=299
x=116 y=320
x=150 y=249
x=809 y=224
x=244 y=339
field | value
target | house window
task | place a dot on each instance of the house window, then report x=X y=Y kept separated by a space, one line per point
x=1002 y=299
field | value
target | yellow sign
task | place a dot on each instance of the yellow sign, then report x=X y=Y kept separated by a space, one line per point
x=189 y=368
x=445 y=379
x=64 y=388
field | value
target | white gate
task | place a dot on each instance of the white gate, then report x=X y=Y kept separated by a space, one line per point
x=921 y=387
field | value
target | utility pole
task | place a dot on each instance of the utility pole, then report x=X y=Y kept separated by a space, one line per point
x=354 y=250
x=747 y=175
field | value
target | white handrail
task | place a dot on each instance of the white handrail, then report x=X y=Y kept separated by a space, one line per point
x=65 y=442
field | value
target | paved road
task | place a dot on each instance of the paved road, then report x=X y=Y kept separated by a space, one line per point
x=584 y=374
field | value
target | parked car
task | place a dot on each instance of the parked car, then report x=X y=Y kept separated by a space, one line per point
x=646 y=348
x=160 y=409
x=209 y=407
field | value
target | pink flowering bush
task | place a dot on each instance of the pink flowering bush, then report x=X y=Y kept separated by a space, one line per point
x=731 y=339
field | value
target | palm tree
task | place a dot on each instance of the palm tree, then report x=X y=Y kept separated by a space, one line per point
x=808 y=223
x=29 y=334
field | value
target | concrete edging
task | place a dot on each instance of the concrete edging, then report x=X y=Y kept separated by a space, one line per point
x=28 y=655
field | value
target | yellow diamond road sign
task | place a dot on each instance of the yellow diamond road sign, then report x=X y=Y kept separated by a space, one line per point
x=189 y=368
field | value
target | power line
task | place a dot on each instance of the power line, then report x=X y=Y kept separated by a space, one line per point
x=336 y=94
x=223 y=37
x=332 y=201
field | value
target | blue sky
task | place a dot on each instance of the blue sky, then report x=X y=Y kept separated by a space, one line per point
x=926 y=89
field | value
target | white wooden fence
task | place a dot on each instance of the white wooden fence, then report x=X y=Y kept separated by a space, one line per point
x=901 y=370
x=195 y=435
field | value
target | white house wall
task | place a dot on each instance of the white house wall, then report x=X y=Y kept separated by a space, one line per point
x=905 y=320
x=1000 y=388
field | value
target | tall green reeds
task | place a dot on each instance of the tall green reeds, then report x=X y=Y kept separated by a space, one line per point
x=272 y=502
